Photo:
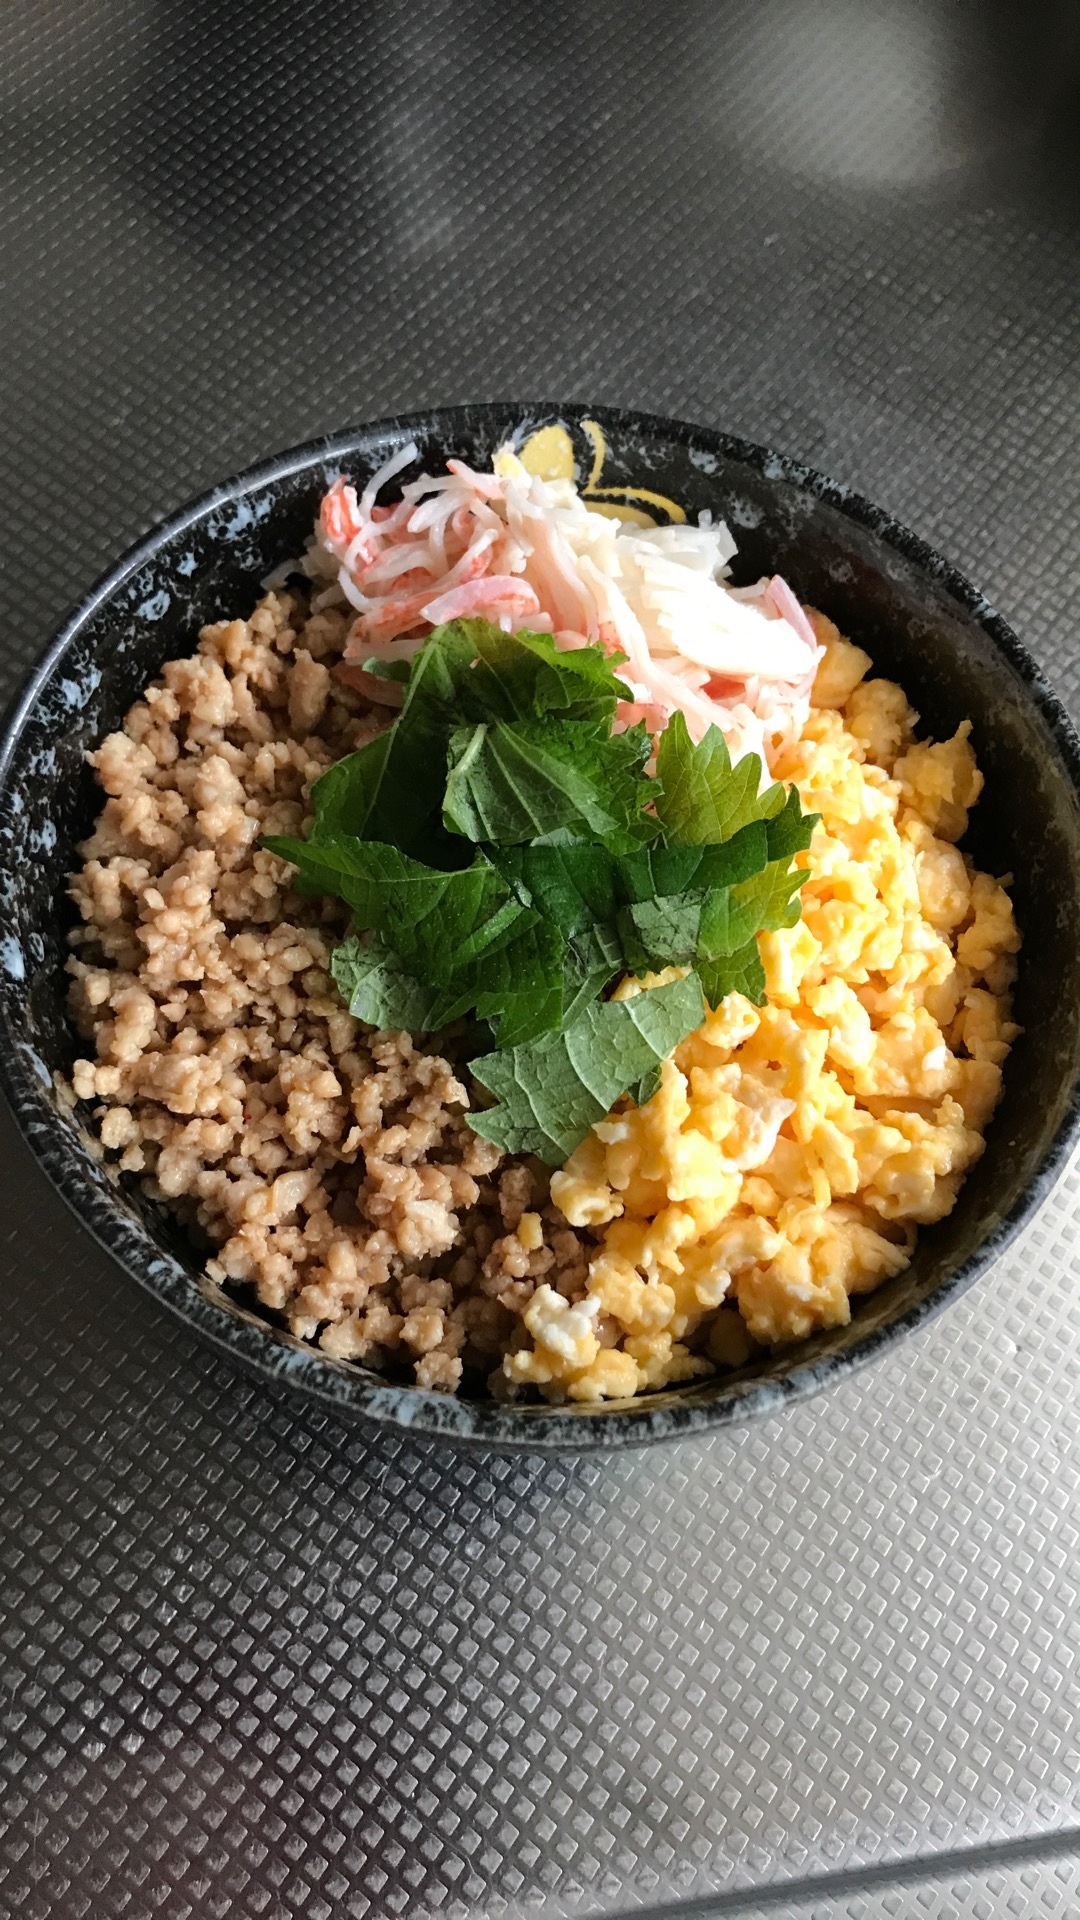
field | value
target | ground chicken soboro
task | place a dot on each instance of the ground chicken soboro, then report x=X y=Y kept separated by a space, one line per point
x=782 y=1167
x=331 y=1168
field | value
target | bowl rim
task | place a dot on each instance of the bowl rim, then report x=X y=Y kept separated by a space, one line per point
x=337 y=1387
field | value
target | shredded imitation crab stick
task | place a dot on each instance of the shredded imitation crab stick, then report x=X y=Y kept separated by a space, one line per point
x=528 y=552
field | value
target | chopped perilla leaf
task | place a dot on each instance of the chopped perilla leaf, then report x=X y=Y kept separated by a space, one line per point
x=396 y=670
x=507 y=857
x=550 y=1094
x=659 y=869
x=739 y=972
x=513 y=781
x=575 y=886
x=789 y=830
x=769 y=899
x=521 y=987
x=661 y=932
x=523 y=676
x=594 y=959
x=345 y=796
x=391 y=790
x=704 y=797
x=642 y=1092
x=375 y=988
x=438 y=923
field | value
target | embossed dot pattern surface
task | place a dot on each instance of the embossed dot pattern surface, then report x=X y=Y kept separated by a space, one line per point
x=252 y=1662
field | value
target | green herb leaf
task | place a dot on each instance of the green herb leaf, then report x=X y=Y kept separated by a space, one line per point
x=345 y=796
x=508 y=858
x=633 y=911
x=649 y=1084
x=438 y=923
x=550 y=1094
x=594 y=959
x=575 y=885
x=374 y=987
x=704 y=798
x=740 y=972
x=731 y=917
x=766 y=900
x=790 y=830
x=471 y=673
x=510 y=782
x=396 y=670
x=525 y=676
x=662 y=932
x=521 y=988
x=321 y=866
x=391 y=790
x=663 y=870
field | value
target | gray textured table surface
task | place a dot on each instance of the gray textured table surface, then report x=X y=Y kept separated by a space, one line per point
x=258 y=1665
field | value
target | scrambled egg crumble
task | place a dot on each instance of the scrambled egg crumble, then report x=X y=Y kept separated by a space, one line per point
x=792 y=1150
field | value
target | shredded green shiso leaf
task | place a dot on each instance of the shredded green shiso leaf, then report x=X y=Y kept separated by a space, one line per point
x=507 y=857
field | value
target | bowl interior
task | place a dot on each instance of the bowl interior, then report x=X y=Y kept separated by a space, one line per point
x=919 y=622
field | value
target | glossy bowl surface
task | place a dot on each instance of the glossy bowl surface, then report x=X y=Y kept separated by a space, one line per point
x=922 y=623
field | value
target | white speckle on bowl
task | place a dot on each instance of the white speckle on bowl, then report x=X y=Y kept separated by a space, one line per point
x=245 y=514
x=744 y=513
x=242 y=518
x=41 y=1071
x=153 y=607
x=703 y=460
x=11 y=958
x=186 y=565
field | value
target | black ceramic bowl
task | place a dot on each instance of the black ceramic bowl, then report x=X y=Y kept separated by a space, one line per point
x=920 y=621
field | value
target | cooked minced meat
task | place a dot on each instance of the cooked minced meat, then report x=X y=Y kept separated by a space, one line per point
x=331 y=1167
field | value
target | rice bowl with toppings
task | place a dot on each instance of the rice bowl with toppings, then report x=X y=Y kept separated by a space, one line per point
x=802 y=1127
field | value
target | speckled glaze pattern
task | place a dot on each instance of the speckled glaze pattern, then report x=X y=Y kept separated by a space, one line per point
x=917 y=617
